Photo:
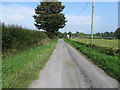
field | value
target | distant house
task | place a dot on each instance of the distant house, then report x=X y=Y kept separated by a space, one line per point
x=68 y=36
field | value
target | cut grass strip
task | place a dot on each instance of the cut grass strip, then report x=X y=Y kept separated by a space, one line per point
x=110 y=64
x=20 y=70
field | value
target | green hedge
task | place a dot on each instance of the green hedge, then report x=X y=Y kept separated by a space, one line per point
x=110 y=64
x=18 y=38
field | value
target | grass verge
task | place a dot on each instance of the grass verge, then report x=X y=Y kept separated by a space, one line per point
x=110 y=64
x=20 y=70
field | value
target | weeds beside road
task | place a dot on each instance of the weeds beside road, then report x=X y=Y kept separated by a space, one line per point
x=19 y=71
x=110 y=64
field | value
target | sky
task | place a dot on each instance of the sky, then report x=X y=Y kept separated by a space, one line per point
x=105 y=15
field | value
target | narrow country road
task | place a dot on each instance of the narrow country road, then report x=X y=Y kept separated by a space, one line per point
x=69 y=69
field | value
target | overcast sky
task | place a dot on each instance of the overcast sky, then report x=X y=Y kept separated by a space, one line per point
x=106 y=15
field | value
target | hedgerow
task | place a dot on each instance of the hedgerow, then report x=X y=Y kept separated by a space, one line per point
x=110 y=64
x=17 y=38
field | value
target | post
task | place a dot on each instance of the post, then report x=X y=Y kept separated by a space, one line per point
x=92 y=23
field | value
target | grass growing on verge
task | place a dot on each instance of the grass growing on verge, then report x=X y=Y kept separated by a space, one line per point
x=110 y=64
x=20 y=70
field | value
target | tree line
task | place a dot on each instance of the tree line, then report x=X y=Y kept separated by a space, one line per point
x=105 y=35
x=109 y=34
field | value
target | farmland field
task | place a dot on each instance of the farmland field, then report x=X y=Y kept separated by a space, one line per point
x=113 y=43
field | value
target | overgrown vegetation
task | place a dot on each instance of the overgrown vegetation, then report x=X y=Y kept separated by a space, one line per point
x=110 y=64
x=20 y=70
x=33 y=50
x=15 y=38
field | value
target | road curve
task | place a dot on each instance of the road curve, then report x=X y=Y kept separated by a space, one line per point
x=69 y=69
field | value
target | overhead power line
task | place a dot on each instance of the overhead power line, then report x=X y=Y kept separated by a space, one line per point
x=80 y=13
x=83 y=8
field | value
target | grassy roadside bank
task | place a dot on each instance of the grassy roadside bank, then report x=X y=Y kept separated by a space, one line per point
x=20 y=70
x=110 y=64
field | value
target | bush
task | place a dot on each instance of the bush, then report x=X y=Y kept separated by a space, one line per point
x=18 y=38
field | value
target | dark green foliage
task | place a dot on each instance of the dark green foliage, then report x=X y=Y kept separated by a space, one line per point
x=65 y=34
x=105 y=35
x=18 y=38
x=110 y=64
x=117 y=33
x=70 y=34
x=49 y=17
x=60 y=35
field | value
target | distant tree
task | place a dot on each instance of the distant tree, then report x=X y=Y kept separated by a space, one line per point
x=77 y=34
x=106 y=34
x=112 y=34
x=98 y=34
x=60 y=35
x=65 y=35
x=48 y=17
x=70 y=34
x=117 y=33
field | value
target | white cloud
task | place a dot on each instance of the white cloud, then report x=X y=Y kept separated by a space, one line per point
x=22 y=15
x=80 y=23
x=18 y=14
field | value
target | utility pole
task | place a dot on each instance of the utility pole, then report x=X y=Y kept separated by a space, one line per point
x=92 y=23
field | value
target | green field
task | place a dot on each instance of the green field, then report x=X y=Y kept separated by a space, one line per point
x=18 y=71
x=100 y=42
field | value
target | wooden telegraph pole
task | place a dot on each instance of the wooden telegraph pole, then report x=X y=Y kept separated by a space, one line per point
x=92 y=23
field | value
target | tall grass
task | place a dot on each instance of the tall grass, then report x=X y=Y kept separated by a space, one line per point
x=110 y=64
x=19 y=71
x=33 y=50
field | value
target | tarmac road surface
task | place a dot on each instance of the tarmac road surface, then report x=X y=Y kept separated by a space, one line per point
x=69 y=69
